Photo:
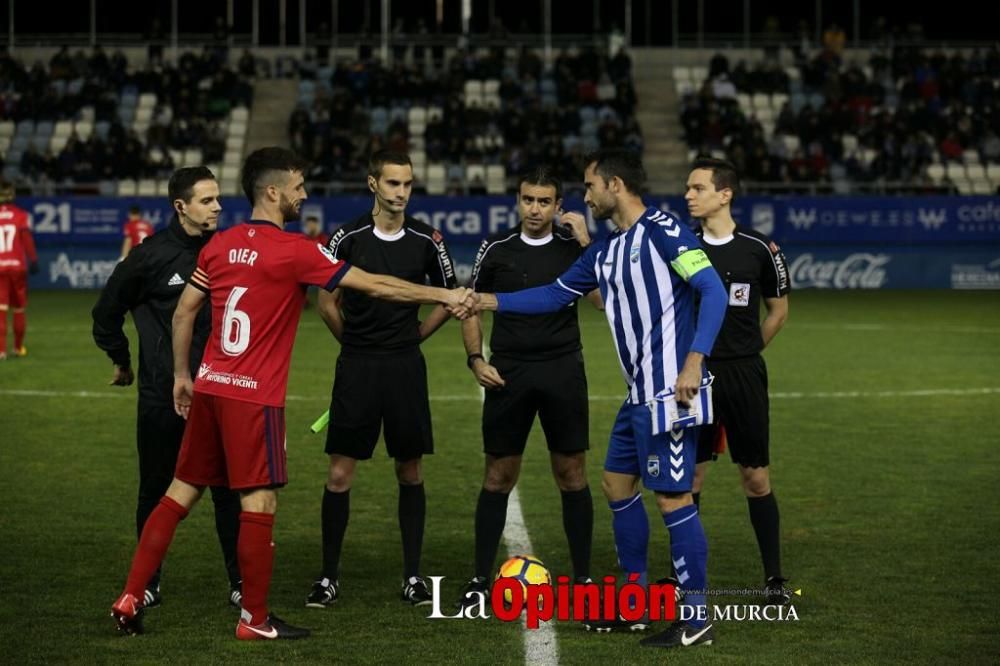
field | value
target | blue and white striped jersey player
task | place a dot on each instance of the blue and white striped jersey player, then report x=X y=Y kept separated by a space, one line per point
x=649 y=271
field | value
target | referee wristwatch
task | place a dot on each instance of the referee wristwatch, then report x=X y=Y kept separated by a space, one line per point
x=472 y=359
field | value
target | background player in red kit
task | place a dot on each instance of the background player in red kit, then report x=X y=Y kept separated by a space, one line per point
x=135 y=230
x=16 y=243
x=256 y=275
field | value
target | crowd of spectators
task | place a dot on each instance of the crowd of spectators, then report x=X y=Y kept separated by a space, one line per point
x=452 y=116
x=189 y=106
x=835 y=121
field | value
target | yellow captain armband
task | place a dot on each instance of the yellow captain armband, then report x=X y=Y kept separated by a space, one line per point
x=690 y=262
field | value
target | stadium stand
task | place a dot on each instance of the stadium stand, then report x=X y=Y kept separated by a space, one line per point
x=921 y=120
x=469 y=125
x=92 y=124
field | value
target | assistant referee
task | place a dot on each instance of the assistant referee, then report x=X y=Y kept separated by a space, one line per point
x=753 y=269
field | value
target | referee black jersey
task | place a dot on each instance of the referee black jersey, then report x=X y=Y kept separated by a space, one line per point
x=416 y=253
x=752 y=267
x=509 y=262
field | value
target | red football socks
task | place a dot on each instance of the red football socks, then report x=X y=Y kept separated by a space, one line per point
x=256 y=555
x=20 y=324
x=153 y=544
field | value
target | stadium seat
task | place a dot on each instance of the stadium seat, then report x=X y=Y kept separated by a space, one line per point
x=982 y=187
x=7 y=128
x=236 y=128
x=474 y=171
x=745 y=102
x=4 y=145
x=163 y=188
x=420 y=173
x=127 y=187
x=229 y=187
x=235 y=143
x=698 y=75
x=192 y=157
x=436 y=181
x=975 y=171
x=44 y=129
x=240 y=114
x=778 y=100
x=83 y=129
x=993 y=173
x=146 y=100
x=146 y=187
x=761 y=101
x=417 y=114
x=935 y=172
x=849 y=143
x=791 y=143
x=868 y=155
x=232 y=158
x=764 y=114
x=25 y=128
x=496 y=179
x=473 y=87
x=684 y=88
x=177 y=157
x=970 y=156
x=57 y=143
x=955 y=171
x=63 y=128
x=682 y=74
x=964 y=185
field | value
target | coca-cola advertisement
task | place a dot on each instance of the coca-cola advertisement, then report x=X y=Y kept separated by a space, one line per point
x=888 y=267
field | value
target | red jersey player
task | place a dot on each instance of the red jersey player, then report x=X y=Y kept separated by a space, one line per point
x=16 y=244
x=255 y=275
x=135 y=230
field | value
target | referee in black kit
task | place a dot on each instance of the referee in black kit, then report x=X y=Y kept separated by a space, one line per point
x=536 y=368
x=148 y=282
x=381 y=377
x=753 y=268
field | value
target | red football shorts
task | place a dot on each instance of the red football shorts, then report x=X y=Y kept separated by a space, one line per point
x=232 y=443
x=14 y=289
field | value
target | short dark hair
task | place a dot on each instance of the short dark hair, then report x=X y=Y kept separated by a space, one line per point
x=382 y=157
x=541 y=175
x=182 y=182
x=6 y=191
x=624 y=164
x=264 y=164
x=724 y=174
x=135 y=210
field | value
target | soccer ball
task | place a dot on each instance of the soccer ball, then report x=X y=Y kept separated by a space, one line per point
x=527 y=569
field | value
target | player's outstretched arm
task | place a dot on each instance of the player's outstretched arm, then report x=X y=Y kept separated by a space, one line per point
x=188 y=306
x=390 y=288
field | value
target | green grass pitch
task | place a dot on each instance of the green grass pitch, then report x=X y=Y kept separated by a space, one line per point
x=885 y=463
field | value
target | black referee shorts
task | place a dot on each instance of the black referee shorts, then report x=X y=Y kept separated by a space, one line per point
x=741 y=407
x=554 y=389
x=372 y=390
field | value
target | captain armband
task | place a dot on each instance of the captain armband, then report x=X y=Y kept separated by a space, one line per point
x=690 y=262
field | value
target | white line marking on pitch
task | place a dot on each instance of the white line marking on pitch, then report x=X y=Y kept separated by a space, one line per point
x=540 y=645
x=778 y=395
